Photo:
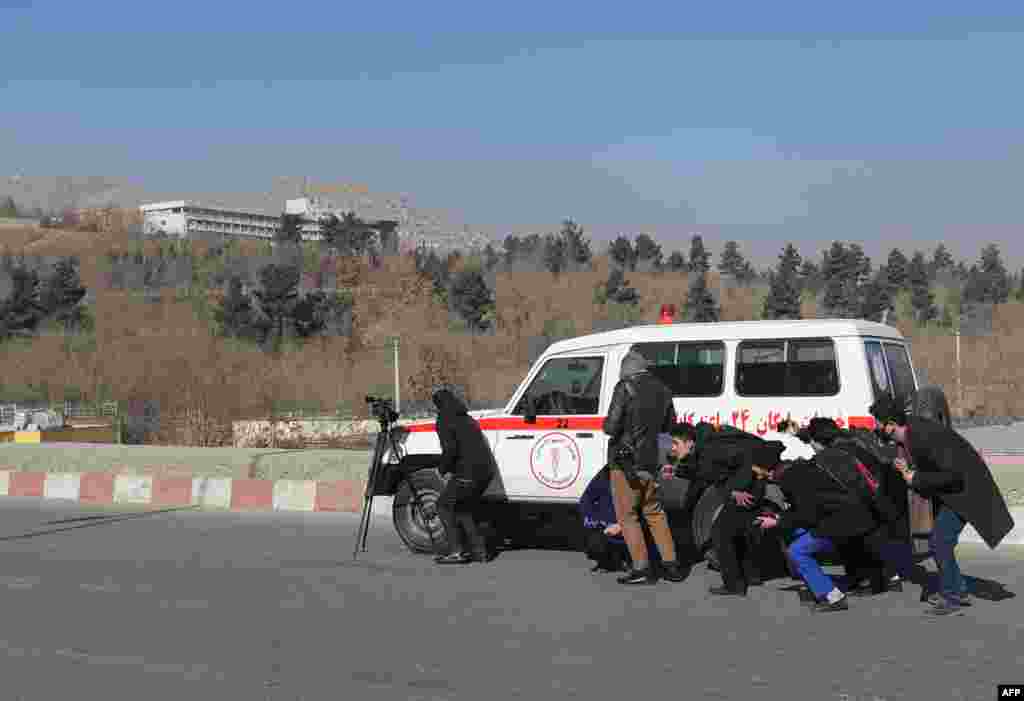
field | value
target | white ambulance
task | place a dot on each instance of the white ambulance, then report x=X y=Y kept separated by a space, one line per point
x=548 y=440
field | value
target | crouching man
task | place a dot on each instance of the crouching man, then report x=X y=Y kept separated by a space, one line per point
x=945 y=468
x=744 y=497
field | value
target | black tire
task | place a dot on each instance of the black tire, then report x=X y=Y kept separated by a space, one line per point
x=931 y=403
x=704 y=514
x=413 y=520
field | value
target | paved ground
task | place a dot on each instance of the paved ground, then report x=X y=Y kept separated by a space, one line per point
x=189 y=605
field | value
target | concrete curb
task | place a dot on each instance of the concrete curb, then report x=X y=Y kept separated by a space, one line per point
x=103 y=488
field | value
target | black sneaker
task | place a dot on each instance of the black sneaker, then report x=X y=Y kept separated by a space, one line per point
x=944 y=608
x=725 y=591
x=672 y=572
x=826 y=607
x=638 y=577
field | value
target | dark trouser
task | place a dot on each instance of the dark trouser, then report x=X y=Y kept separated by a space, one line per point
x=732 y=542
x=944 y=539
x=455 y=508
x=608 y=554
x=877 y=556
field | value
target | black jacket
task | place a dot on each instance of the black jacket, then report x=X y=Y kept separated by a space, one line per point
x=890 y=499
x=465 y=451
x=828 y=497
x=638 y=416
x=949 y=470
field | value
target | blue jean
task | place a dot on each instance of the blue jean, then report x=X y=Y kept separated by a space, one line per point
x=801 y=553
x=944 y=539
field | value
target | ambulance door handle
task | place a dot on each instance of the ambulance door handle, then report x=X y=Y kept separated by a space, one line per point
x=521 y=437
x=584 y=435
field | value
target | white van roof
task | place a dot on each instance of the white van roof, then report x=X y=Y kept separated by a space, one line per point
x=727 y=330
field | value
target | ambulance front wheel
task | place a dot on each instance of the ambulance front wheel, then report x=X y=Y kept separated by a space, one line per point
x=414 y=513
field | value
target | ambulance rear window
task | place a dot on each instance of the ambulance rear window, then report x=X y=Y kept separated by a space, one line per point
x=687 y=369
x=787 y=368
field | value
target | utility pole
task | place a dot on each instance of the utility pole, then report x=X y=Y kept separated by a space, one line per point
x=394 y=345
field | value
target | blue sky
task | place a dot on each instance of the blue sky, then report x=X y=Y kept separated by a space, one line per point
x=886 y=124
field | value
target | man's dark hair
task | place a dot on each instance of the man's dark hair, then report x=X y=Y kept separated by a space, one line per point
x=888 y=409
x=684 y=431
x=785 y=425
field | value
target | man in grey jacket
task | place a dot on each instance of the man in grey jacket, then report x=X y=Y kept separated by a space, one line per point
x=641 y=408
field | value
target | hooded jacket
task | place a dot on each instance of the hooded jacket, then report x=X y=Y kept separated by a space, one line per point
x=949 y=470
x=641 y=408
x=465 y=451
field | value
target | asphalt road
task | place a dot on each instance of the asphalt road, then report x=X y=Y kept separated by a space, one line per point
x=190 y=605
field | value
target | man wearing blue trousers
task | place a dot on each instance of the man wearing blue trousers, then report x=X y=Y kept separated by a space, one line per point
x=831 y=507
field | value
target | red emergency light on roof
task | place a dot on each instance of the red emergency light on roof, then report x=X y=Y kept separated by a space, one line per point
x=668 y=313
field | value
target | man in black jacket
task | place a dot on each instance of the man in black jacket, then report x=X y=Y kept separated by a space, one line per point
x=641 y=408
x=750 y=463
x=467 y=456
x=945 y=468
x=892 y=537
x=830 y=505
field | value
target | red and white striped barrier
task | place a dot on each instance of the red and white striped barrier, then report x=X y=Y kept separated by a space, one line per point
x=204 y=492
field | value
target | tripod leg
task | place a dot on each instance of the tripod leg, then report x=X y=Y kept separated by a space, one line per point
x=364 y=522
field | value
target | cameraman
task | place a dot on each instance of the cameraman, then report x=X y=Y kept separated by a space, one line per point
x=466 y=454
x=641 y=408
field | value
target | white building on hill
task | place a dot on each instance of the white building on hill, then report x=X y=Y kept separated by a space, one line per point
x=188 y=219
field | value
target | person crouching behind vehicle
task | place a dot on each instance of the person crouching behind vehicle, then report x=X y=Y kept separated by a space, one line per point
x=744 y=496
x=467 y=456
x=602 y=540
x=641 y=408
x=944 y=467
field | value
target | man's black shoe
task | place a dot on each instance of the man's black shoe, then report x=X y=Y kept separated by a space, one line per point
x=672 y=572
x=638 y=577
x=825 y=606
x=725 y=591
x=865 y=590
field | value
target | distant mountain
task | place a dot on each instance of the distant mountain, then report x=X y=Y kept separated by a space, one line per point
x=51 y=194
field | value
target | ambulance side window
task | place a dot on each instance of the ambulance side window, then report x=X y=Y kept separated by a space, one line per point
x=880 y=385
x=900 y=369
x=564 y=386
x=688 y=369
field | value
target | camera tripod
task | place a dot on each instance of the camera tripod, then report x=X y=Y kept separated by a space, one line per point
x=386 y=416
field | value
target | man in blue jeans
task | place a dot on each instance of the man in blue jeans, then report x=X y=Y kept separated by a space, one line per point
x=942 y=466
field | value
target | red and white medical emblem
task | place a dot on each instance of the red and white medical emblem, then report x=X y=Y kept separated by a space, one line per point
x=555 y=461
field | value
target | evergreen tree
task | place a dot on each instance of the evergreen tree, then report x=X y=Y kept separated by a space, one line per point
x=878 y=297
x=279 y=294
x=810 y=277
x=491 y=258
x=700 y=304
x=975 y=287
x=622 y=253
x=309 y=317
x=896 y=267
x=617 y=290
x=471 y=298
x=555 y=254
x=676 y=263
x=290 y=229
x=921 y=298
x=942 y=260
x=647 y=252
x=235 y=313
x=700 y=259
x=22 y=311
x=63 y=292
x=733 y=263
x=578 y=252
x=1020 y=290
x=783 y=300
x=995 y=279
x=836 y=271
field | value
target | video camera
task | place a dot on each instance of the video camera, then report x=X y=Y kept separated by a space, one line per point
x=382 y=409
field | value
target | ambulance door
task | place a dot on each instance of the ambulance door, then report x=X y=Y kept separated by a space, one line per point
x=552 y=443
